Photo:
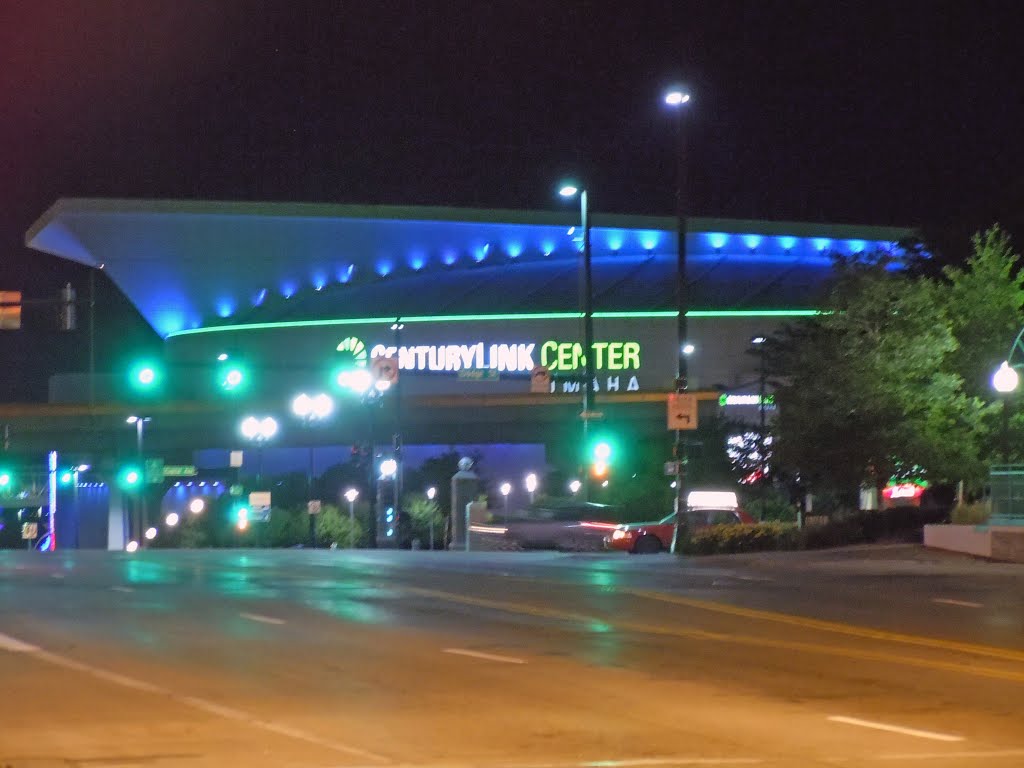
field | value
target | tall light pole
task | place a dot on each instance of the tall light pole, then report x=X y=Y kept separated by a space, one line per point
x=586 y=307
x=140 y=431
x=1005 y=381
x=762 y=453
x=311 y=409
x=676 y=98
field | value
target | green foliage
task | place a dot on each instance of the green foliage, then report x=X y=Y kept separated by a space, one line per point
x=971 y=513
x=422 y=511
x=333 y=527
x=769 y=504
x=879 y=382
x=732 y=539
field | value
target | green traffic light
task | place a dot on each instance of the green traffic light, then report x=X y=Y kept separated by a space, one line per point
x=602 y=451
x=145 y=376
x=66 y=477
x=232 y=379
x=129 y=477
x=5 y=479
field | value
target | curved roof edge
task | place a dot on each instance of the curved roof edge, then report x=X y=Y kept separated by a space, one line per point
x=114 y=206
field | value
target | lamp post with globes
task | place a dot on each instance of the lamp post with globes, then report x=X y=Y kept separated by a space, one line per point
x=259 y=431
x=312 y=409
x=140 y=422
x=1005 y=381
x=530 y=482
x=505 y=489
x=676 y=98
x=569 y=190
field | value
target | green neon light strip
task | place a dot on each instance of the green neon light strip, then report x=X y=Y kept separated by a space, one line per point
x=498 y=317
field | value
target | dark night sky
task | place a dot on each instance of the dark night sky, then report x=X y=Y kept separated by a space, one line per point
x=905 y=112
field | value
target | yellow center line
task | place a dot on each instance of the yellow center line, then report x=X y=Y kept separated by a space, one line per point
x=851 y=630
x=748 y=640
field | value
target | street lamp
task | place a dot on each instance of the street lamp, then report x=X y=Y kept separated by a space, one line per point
x=196 y=506
x=574 y=486
x=350 y=496
x=431 y=493
x=171 y=519
x=140 y=430
x=1005 y=381
x=312 y=409
x=506 y=489
x=258 y=430
x=759 y=344
x=531 y=485
x=675 y=98
x=586 y=306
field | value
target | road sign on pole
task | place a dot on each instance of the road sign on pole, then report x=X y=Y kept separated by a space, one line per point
x=682 y=411
x=29 y=531
x=313 y=506
x=540 y=380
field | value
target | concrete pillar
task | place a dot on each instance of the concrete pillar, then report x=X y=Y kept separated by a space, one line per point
x=465 y=486
x=117 y=520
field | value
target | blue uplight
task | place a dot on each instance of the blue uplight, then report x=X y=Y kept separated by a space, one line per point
x=449 y=257
x=856 y=246
x=752 y=241
x=225 y=308
x=649 y=240
x=615 y=240
x=260 y=297
x=345 y=273
x=717 y=240
x=514 y=250
x=787 y=242
x=319 y=281
x=479 y=254
x=822 y=243
x=384 y=268
x=288 y=290
x=547 y=247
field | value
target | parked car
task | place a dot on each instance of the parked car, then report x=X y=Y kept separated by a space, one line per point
x=653 y=537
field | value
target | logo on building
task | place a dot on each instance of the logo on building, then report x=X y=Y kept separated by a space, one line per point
x=353 y=352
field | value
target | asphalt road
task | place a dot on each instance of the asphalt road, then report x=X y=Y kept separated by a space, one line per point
x=864 y=657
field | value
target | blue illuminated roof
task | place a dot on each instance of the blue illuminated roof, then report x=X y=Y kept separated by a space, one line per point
x=194 y=264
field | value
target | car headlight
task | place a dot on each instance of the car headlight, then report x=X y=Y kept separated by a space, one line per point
x=618 y=533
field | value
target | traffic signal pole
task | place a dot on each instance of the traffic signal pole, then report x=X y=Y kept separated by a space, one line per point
x=588 y=338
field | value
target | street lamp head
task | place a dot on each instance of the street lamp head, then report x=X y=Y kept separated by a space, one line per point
x=151 y=533
x=431 y=493
x=132 y=419
x=388 y=468
x=1005 y=379
x=131 y=546
x=351 y=495
x=506 y=489
x=568 y=190
x=302 y=405
x=759 y=340
x=268 y=427
x=196 y=506
x=322 y=406
x=531 y=483
x=676 y=97
x=688 y=348
x=359 y=380
x=574 y=486
x=171 y=519
x=222 y=357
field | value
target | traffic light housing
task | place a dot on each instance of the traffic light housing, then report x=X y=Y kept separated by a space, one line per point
x=601 y=453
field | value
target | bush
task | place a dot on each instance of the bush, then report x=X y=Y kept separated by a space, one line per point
x=770 y=504
x=974 y=513
x=732 y=539
x=334 y=527
x=422 y=511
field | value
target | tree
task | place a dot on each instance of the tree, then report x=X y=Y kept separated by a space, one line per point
x=869 y=386
x=986 y=309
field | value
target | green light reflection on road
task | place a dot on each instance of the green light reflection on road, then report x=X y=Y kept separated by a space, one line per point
x=139 y=571
x=351 y=610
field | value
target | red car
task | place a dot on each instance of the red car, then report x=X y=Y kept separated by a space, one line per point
x=649 y=538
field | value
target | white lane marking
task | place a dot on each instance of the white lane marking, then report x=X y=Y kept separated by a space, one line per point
x=895 y=729
x=261 y=618
x=994 y=754
x=485 y=656
x=56 y=575
x=961 y=603
x=12 y=644
x=192 y=701
x=122 y=589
